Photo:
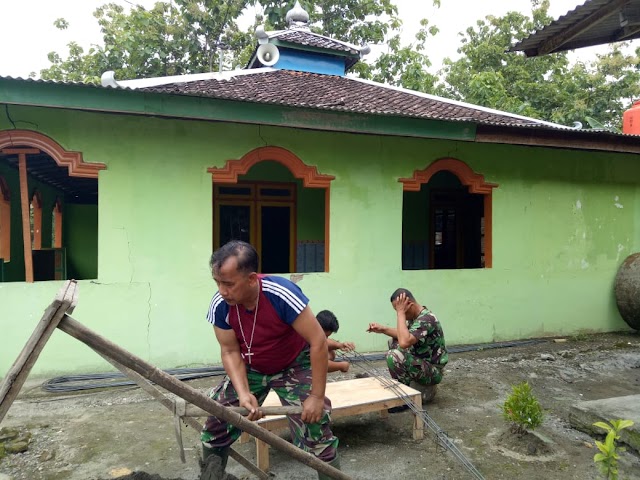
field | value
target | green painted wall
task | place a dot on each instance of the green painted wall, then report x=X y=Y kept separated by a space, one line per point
x=563 y=223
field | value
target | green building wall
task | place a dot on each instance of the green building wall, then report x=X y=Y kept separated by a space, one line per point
x=563 y=221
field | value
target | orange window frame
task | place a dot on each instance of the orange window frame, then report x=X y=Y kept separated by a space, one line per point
x=475 y=183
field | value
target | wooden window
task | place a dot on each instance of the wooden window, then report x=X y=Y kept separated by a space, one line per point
x=447 y=211
x=5 y=221
x=36 y=220
x=56 y=225
x=263 y=214
x=311 y=254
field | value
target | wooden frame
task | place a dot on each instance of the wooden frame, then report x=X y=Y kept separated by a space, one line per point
x=57 y=224
x=5 y=221
x=57 y=316
x=372 y=397
x=475 y=183
x=36 y=204
x=309 y=175
x=255 y=200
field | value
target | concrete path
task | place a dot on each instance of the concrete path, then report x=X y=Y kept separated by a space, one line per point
x=583 y=415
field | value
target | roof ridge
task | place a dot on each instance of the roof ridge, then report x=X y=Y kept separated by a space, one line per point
x=457 y=102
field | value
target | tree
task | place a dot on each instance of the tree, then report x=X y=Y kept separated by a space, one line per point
x=168 y=39
x=188 y=36
x=545 y=87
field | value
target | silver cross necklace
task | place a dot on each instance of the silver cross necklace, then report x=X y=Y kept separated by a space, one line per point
x=253 y=329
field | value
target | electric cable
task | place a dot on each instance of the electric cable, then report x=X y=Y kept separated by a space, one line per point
x=91 y=381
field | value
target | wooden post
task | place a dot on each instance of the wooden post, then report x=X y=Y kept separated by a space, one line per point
x=161 y=397
x=166 y=381
x=65 y=300
x=24 y=206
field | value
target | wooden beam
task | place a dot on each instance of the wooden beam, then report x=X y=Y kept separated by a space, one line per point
x=191 y=395
x=556 y=41
x=627 y=32
x=65 y=301
x=24 y=206
x=18 y=151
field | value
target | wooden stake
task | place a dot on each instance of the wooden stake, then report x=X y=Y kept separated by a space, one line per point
x=65 y=301
x=191 y=395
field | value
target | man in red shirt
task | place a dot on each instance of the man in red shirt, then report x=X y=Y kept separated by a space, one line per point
x=269 y=339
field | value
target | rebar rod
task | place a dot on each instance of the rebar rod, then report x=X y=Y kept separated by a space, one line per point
x=441 y=436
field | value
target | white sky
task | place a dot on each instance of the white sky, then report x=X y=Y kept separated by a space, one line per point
x=27 y=34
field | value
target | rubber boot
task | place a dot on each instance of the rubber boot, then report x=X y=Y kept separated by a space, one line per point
x=428 y=391
x=214 y=461
x=335 y=463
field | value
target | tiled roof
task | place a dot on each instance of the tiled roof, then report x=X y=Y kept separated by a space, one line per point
x=326 y=92
x=302 y=37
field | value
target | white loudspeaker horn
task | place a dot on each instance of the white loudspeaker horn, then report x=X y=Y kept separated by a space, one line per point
x=268 y=54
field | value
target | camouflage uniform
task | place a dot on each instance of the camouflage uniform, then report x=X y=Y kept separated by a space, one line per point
x=292 y=386
x=424 y=361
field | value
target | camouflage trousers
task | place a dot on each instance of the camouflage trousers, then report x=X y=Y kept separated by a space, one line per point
x=405 y=367
x=292 y=386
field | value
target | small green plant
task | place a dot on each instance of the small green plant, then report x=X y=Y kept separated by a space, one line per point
x=522 y=409
x=607 y=458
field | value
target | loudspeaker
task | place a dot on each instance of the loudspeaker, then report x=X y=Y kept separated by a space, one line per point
x=268 y=54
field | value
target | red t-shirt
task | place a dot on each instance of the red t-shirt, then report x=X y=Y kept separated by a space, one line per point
x=275 y=343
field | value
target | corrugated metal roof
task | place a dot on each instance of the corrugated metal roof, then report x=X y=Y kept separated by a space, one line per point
x=596 y=22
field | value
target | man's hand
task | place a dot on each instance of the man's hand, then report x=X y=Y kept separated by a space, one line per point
x=347 y=346
x=312 y=409
x=402 y=303
x=251 y=403
x=375 y=328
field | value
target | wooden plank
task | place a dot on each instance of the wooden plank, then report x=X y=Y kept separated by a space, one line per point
x=157 y=394
x=262 y=455
x=26 y=225
x=191 y=395
x=66 y=299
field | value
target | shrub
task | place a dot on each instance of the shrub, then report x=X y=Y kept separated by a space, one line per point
x=522 y=409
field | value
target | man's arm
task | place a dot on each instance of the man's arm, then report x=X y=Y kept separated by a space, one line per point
x=236 y=370
x=401 y=305
x=308 y=327
x=377 y=328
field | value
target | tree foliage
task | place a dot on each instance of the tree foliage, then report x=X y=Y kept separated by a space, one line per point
x=546 y=87
x=188 y=36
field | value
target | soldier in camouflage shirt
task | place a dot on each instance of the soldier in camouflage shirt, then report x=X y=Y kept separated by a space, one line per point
x=417 y=352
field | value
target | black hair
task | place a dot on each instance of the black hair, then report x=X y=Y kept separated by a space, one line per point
x=328 y=321
x=400 y=291
x=244 y=252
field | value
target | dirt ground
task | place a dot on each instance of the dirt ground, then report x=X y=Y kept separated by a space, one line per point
x=115 y=432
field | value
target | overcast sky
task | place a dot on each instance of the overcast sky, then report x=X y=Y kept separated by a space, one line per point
x=27 y=33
